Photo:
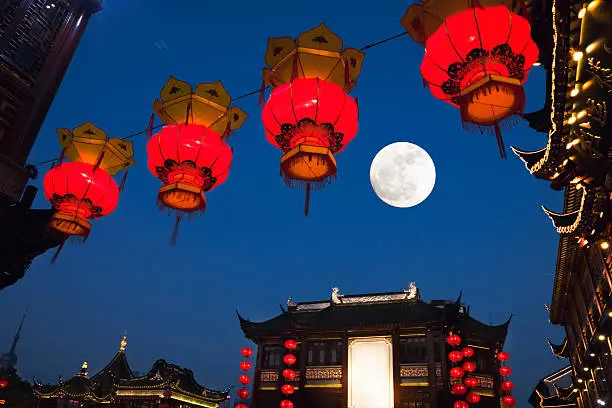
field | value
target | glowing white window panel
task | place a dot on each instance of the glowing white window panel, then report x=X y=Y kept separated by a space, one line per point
x=370 y=373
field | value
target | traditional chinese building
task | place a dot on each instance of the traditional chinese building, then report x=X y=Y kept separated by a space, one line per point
x=117 y=385
x=574 y=38
x=37 y=41
x=399 y=329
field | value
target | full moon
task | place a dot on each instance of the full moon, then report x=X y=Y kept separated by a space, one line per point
x=402 y=174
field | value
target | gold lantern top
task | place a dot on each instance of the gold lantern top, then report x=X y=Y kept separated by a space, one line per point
x=422 y=20
x=90 y=144
x=208 y=105
x=317 y=53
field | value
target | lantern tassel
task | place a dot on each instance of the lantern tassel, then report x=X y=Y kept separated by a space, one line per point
x=189 y=114
x=149 y=131
x=500 y=141
x=356 y=98
x=294 y=68
x=228 y=129
x=347 y=76
x=123 y=181
x=175 y=231
x=99 y=161
x=262 y=92
x=307 y=200
x=57 y=252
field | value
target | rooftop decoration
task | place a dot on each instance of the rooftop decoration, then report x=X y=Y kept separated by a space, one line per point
x=189 y=155
x=478 y=60
x=309 y=116
x=83 y=188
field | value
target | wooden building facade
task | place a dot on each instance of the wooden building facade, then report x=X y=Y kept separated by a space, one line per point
x=414 y=332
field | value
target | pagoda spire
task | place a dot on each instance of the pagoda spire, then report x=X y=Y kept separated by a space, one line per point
x=123 y=343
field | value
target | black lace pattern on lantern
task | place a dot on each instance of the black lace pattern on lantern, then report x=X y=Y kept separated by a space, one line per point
x=501 y=54
x=189 y=166
x=57 y=200
x=288 y=132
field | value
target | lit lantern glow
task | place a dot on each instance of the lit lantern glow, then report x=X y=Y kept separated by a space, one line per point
x=505 y=371
x=287 y=389
x=288 y=374
x=455 y=356
x=289 y=359
x=453 y=340
x=370 y=373
x=478 y=60
x=509 y=401
x=246 y=365
x=290 y=345
x=246 y=352
x=79 y=192
x=244 y=379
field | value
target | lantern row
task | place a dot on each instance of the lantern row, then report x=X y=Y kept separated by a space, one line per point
x=244 y=379
x=461 y=386
x=477 y=60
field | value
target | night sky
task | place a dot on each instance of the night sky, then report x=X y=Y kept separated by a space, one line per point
x=481 y=231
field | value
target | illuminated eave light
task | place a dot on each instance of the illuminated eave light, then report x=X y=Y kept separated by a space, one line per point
x=610 y=314
x=580 y=380
x=581 y=114
x=593 y=4
x=574 y=92
x=572 y=143
x=577 y=55
x=582 y=12
x=590 y=48
x=601 y=337
x=592 y=354
x=571 y=120
x=604 y=245
x=586 y=368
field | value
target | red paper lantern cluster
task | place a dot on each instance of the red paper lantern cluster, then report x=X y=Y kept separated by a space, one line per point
x=457 y=372
x=478 y=61
x=507 y=386
x=288 y=374
x=470 y=382
x=244 y=379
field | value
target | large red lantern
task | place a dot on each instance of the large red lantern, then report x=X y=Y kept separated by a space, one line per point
x=309 y=115
x=244 y=379
x=287 y=389
x=505 y=371
x=79 y=192
x=288 y=374
x=507 y=385
x=469 y=366
x=460 y=404
x=453 y=340
x=458 y=389
x=290 y=344
x=246 y=352
x=189 y=160
x=503 y=356
x=472 y=398
x=457 y=372
x=289 y=359
x=467 y=352
x=478 y=60
x=243 y=393
x=455 y=356
x=471 y=382
x=246 y=365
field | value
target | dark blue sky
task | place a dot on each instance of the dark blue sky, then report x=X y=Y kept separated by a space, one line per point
x=481 y=230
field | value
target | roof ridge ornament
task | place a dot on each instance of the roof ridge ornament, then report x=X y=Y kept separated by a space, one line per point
x=413 y=292
x=123 y=343
x=83 y=371
x=336 y=297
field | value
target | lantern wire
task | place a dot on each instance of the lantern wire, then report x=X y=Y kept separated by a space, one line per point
x=243 y=96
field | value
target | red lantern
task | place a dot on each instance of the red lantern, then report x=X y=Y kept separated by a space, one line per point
x=469 y=366
x=507 y=385
x=3 y=382
x=471 y=382
x=243 y=393
x=460 y=404
x=189 y=160
x=509 y=401
x=459 y=389
x=244 y=379
x=472 y=398
x=478 y=60
x=503 y=356
x=505 y=371
x=457 y=372
x=246 y=352
x=453 y=340
x=455 y=356
x=246 y=365
x=289 y=374
x=286 y=404
x=290 y=344
x=309 y=120
x=289 y=359
x=287 y=389
x=241 y=406
x=79 y=191
x=467 y=352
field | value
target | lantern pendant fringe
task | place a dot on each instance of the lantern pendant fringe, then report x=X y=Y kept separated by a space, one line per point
x=149 y=131
x=57 y=252
x=188 y=114
x=175 y=231
x=123 y=181
x=347 y=76
x=262 y=92
x=307 y=201
x=71 y=239
x=495 y=130
x=500 y=141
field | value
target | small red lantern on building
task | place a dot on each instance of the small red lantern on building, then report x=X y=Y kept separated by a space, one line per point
x=503 y=356
x=241 y=405
x=453 y=340
x=467 y=352
x=243 y=393
x=458 y=389
x=507 y=385
x=246 y=352
x=3 y=382
x=472 y=398
x=460 y=404
x=457 y=372
x=469 y=366
x=509 y=401
x=286 y=404
x=471 y=382
x=455 y=356
x=290 y=344
x=244 y=379
x=287 y=389
x=478 y=60
x=505 y=371
x=246 y=365
x=289 y=359
x=288 y=374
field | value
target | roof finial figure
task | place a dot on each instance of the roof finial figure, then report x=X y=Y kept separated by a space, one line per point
x=336 y=297
x=83 y=371
x=412 y=292
x=123 y=344
x=290 y=302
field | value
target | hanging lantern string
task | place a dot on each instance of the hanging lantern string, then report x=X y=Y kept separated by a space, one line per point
x=243 y=96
